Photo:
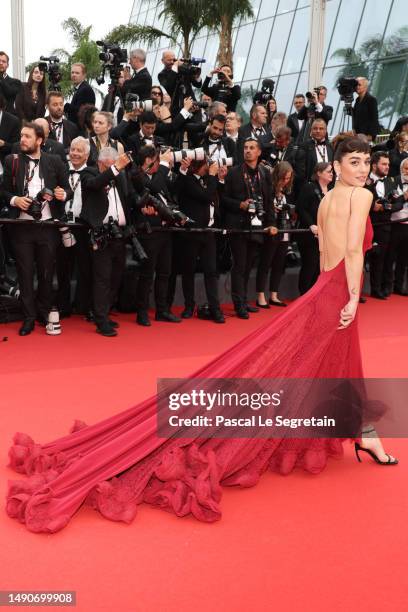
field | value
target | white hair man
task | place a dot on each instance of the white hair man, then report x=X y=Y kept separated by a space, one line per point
x=141 y=82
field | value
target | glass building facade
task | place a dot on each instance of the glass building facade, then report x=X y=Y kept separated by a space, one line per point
x=362 y=38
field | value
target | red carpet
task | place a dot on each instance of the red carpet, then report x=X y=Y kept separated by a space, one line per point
x=332 y=542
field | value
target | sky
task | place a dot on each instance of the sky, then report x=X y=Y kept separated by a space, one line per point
x=43 y=18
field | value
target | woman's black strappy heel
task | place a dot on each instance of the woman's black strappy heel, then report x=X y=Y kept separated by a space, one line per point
x=358 y=448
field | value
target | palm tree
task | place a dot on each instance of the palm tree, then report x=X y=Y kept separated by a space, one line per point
x=220 y=17
x=184 y=19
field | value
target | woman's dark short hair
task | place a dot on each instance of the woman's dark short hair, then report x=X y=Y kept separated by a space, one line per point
x=320 y=167
x=351 y=145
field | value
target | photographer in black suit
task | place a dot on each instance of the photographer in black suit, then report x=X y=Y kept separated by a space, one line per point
x=397 y=252
x=198 y=199
x=141 y=82
x=9 y=87
x=381 y=185
x=9 y=131
x=316 y=149
x=107 y=200
x=225 y=90
x=25 y=175
x=61 y=130
x=83 y=92
x=214 y=141
x=365 y=111
x=48 y=146
x=256 y=128
x=297 y=120
x=154 y=177
x=248 y=189
x=320 y=109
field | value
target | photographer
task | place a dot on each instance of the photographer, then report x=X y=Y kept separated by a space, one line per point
x=141 y=82
x=73 y=253
x=25 y=176
x=61 y=130
x=215 y=143
x=107 y=200
x=297 y=120
x=316 y=104
x=316 y=149
x=274 y=248
x=365 y=111
x=256 y=128
x=154 y=177
x=9 y=131
x=385 y=202
x=48 y=146
x=247 y=203
x=225 y=90
x=9 y=87
x=398 y=153
x=83 y=93
x=198 y=198
x=394 y=203
x=168 y=77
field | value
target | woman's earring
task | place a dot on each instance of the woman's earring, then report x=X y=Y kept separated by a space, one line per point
x=338 y=176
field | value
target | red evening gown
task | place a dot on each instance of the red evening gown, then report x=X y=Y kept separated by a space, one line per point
x=120 y=462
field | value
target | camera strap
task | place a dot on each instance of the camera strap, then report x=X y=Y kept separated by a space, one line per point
x=29 y=174
x=252 y=182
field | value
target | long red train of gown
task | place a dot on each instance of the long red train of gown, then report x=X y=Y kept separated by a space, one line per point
x=119 y=463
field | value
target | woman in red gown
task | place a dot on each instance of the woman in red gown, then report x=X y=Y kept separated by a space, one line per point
x=120 y=462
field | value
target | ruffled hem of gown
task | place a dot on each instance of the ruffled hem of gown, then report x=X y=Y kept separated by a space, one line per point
x=185 y=480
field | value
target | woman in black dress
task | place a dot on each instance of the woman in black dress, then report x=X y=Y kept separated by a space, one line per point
x=30 y=100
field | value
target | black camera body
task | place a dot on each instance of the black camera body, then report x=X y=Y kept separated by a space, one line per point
x=389 y=199
x=113 y=58
x=190 y=67
x=168 y=213
x=37 y=204
x=346 y=86
x=256 y=207
x=266 y=93
x=132 y=102
x=51 y=66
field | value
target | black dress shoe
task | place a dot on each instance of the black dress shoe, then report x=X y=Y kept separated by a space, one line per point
x=106 y=330
x=378 y=295
x=217 y=316
x=113 y=323
x=90 y=317
x=277 y=303
x=27 y=327
x=262 y=305
x=188 y=312
x=250 y=308
x=241 y=312
x=168 y=317
x=142 y=318
x=400 y=292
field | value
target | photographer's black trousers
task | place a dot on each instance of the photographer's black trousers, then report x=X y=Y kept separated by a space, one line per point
x=35 y=247
x=203 y=247
x=309 y=261
x=75 y=260
x=376 y=258
x=272 y=262
x=397 y=253
x=243 y=250
x=158 y=247
x=108 y=265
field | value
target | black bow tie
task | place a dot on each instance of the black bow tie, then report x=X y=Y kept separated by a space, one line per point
x=380 y=180
x=56 y=124
x=320 y=143
x=73 y=171
x=29 y=159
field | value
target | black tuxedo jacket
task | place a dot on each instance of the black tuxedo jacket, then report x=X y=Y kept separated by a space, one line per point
x=365 y=116
x=52 y=171
x=236 y=191
x=306 y=158
x=69 y=132
x=382 y=233
x=230 y=98
x=293 y=123
x=95 y=202
x=140 y=84
x=307 y=204
x=228 y=144
x=83 y=95
x=10 y=87
x=9 y=132
x=326 y=114
x=195 y=199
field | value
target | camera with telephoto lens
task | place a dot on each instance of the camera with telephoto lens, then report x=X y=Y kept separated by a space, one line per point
x=113 y=58
x=167 y=212
x=266 y=93
x=132 y=102
x=38 y=203
x=50 y=65
x=228 y=162
x=346 y=86
x=9 y=287
x=114 y=230
x=256 y=207
x=193 y=154
x=202 y=104
x=309 y=97
x=283 y=215
x=138 y=253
